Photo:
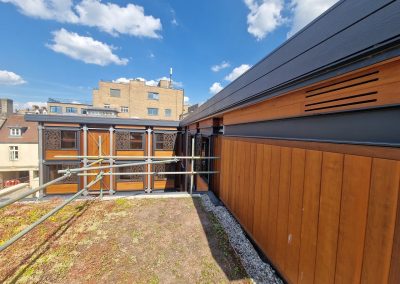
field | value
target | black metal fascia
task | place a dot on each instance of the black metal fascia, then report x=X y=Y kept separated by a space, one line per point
x=373 y=127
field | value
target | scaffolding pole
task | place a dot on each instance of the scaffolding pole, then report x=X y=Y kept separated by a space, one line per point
x=77 y=170
x=34 y=190
x=152 y=173
x=139 y=157
x=49 y=214
x=192 y=168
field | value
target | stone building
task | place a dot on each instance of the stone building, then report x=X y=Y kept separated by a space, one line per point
x=136 y=99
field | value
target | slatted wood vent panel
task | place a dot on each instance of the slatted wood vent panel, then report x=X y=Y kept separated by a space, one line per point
x=359 y=91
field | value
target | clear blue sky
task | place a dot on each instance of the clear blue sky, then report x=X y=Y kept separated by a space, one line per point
x=62 y=48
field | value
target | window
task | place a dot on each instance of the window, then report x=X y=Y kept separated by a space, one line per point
x=53 y=173
x=115 y=92
x=106 y=106
x=71 y=110
x=165 y=141
x=152 y=96
x=68 y=139
x=55 y=109
x=131 y=177
x=152 y=111
x=168 y=112
x=83 y=111
x=13 y=153
x=136 y=141
x=124 y=109
x=15 y=131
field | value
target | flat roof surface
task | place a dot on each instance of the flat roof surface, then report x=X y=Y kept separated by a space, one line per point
x=99 y=120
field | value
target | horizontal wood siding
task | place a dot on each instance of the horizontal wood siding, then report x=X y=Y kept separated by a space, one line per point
x=374 y=86
x=319 y=216
x=62 y=188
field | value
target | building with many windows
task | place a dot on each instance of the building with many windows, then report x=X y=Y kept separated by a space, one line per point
x=55 y=106
x=136 y=99
x=19 y=151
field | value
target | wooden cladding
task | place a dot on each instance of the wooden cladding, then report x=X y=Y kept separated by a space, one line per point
x=373 y=86
x=319 y=216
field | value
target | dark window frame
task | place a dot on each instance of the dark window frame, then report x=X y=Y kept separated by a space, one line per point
x=62 y=147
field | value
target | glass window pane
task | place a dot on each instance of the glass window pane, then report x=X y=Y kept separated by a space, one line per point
x=68 y=139
x=115 y=92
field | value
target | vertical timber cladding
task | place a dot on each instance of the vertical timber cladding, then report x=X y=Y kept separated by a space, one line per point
x=314 y=175
x=164 y=143
x=98 y=145
x=320 y=216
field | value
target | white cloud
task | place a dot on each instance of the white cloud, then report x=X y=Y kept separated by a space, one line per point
x=10 y=78
x=28 y=105
x=264 y=17
x=236 y=72
x=215 y=88
x=84 y=48
x=186 y=100
x=148 y=82
x=221 y=66
x=304 y=11
x=107 y=17
x=115 y=19
x=60 y=10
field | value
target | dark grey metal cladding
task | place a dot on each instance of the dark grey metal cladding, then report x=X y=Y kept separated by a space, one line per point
x=348 y=30
x=378 y=127
x=99 y=120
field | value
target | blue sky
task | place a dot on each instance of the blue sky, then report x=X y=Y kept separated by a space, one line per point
x=62 y=48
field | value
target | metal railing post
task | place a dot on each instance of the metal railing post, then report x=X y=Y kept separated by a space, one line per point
x=192 y=168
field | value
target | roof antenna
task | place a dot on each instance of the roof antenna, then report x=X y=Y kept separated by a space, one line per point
x=170 y=77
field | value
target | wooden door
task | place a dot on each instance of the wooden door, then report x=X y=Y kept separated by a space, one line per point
x=99 y=145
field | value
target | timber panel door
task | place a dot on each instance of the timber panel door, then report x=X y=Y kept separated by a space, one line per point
x=99 y=145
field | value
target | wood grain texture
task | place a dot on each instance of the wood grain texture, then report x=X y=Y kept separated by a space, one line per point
x=62 y=189
x=295 y=214
x=318 y=216
x=329 y=212
x=51 y=154
x=353 y=218
x=309 y=226
x=382 y=208
x=394 y=275
x=294 y=103
x=273 y=201
x=358 y=150
x=283 y=208
x=129 y=186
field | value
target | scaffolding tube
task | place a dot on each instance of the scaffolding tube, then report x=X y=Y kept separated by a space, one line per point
x=139 y=157
x=152 y=173
x=77 y=170
x=67 y=174
x=49 y=214
x=33 y=190
x=9 y=190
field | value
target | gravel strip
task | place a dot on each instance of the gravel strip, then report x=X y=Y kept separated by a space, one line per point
x=257 y=269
